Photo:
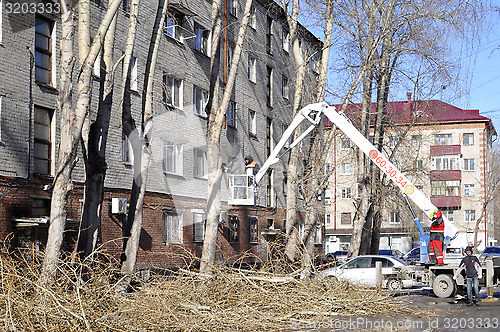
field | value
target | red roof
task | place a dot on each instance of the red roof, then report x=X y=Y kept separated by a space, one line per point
x=418 y=112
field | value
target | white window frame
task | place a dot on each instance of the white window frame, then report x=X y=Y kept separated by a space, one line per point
x=468 y=139
x=448 y=214
x=315 y=63
x=252 y=122
x=200 y=100
x=172 y=234
x=446 y=162
x=176 y=85
x=328 y=220
x=231 y=114
x=285 y=87
x=176 y=153
x=346 y=169
x=134 y=86
x=202 y=40
x=469 y=164
x=127 y=151
x=199 y=218
x=394 y=218
x=469 y=190
x=470 y=215
x=252 y=22
x=253 y=230
x=285 y=40
x=345 y=143
x=346 y=193
x=200 y=163
x=416 y=140
x=418 y=164
x=442 y=139
x=252 y=69
x=172 y=28
x=233 y=7
x=392 y=142
x=328 y=195
x=318 y=235
x=345 y=214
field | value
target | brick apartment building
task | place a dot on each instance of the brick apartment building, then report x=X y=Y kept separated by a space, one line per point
x=446 y=153
x=175 y=204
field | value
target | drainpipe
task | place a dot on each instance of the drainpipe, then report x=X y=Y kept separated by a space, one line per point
x=224 y=61
x=484 y=181
x=30 y=120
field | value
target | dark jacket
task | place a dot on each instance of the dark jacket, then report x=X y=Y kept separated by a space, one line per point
x=471 y=265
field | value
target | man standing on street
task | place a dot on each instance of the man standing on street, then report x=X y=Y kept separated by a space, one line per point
x=473 y=271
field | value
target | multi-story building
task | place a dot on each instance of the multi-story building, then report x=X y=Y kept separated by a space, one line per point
x=175 y=204
x=444 y=150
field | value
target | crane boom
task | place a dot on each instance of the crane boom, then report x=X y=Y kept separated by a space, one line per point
x=313 y=113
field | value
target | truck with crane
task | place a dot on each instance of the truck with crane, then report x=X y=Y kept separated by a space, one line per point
x=438 y=276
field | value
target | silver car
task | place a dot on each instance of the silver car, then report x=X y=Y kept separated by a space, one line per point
x=361 y=271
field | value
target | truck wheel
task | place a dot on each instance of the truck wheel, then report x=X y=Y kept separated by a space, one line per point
x=444 y=286
x=394 y=285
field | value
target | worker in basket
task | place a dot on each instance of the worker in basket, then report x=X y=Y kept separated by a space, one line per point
x=435 y=247
x=251 y=167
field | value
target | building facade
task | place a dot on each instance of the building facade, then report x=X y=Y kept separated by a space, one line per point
x=444 y=150
x=175 y=204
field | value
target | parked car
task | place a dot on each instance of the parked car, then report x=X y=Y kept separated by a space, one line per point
x=412 y=257
x=361 y=271
x=390 y=252
x=490 y=253
x=340 y=256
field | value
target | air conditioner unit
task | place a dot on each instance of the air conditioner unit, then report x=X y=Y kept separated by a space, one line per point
x=119 y=206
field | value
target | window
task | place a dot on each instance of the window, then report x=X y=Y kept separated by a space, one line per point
x=442 y=139
x=450 y=162
x=252 y=21
x=346 y=193
x=285 y=36
x=43 y=141
x=470 y=215
x=328 y=220
x=200 y=163
x=232 y=225
x=284 y=87
x=318 y=236
x=202 y=40
x=345 y=168
x=418 y=165
x=345 y=143
x=252 y=69
x=416 y=140
x=315 y=63
x=173 y=163
x=230 y=53
x=269 y=86
x=469 y=190
x=43 y=50
x=393 y=141
x=252 y=123
x=133 y=74
x=468 y=139
x=126 y=6
x=445 y=188
x=270 y=136
x=448 y=214
x=127 y=151
x=200 y=100
x=199 y=223
x=269 y=35
x=328 y=196
x=345 y=218
x=271 y=196
x=468 y=164
x=253 y=229
x=172 y=91
x=231 y=114
x=233 y=7
x=171 y=227
x=285 y=182
x=394 y=217
x=40 y=207
x=173 y=25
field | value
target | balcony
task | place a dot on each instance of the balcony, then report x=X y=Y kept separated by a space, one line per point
x=445 y=150
x=446 y=201
x=446 y=175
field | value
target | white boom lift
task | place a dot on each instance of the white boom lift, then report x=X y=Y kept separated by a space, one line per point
x=313 y=113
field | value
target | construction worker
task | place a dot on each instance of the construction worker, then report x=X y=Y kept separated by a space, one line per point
x=473 y=272
x=251 y=167
x=435 y=247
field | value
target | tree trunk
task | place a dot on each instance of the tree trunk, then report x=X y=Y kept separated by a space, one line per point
x=71 y=131
x=96 y=153
x=214 y=159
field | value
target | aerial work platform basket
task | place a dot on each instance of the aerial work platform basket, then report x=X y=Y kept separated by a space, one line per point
x=241 y=189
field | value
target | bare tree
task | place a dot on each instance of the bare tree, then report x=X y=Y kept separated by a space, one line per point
x=216 y=117
x=71 y=130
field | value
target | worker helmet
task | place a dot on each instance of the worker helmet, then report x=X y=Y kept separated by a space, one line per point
x=439 y=214
x=468 y=249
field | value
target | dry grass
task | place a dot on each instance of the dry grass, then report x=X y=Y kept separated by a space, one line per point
x=230 y=300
